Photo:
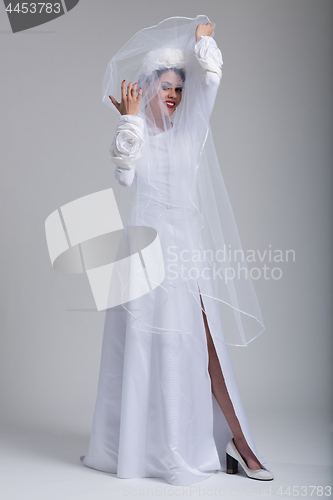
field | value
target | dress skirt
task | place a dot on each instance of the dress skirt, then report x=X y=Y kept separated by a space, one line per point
x=155 y=414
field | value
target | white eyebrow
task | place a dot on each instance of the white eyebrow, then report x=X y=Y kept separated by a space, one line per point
x=171 y=84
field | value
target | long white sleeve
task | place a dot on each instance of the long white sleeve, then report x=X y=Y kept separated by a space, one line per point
x=209 y=57
x=126 y=147
x=124 y=176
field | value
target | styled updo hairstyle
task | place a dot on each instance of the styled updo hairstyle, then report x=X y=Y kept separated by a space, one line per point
x=178 y=71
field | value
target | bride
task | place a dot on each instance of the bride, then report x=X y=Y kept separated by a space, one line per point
x=168 y=404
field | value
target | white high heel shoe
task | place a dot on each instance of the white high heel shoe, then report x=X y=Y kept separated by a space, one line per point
x=234 y=458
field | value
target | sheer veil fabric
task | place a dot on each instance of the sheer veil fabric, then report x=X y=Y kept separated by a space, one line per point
x=155 y=414
x=190 y=188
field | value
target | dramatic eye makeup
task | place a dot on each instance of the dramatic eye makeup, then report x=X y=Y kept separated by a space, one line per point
x=168 y=85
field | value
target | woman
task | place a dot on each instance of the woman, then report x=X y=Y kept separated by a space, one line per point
x=165 y=364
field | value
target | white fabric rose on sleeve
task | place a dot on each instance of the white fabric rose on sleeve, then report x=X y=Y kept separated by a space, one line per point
x=127 y=143
x=209 y=55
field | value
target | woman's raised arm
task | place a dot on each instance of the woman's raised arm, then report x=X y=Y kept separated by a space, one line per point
x=210 y=59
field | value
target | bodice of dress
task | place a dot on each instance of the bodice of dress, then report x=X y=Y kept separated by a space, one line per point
x=166 y=178
x=161 y=179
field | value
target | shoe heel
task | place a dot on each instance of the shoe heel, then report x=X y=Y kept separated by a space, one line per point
x=232 y=465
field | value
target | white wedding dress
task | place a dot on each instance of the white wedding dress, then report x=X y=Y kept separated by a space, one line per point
x=155 y=414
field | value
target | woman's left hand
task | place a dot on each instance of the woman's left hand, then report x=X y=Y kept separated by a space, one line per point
x=203 y=30
x=130 y=102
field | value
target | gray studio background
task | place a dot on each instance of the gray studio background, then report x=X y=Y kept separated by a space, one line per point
x=272 y=127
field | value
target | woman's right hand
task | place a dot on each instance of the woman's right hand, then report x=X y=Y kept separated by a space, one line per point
x=130 y=102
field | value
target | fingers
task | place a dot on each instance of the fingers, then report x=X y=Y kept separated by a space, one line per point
x=130 y=102
x=210 y=26
x=114 y=102
x=204 y=29
x=134 y=90
x=130 y=91
x=123 y=90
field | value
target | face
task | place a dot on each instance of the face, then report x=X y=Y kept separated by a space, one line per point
x=170 y=92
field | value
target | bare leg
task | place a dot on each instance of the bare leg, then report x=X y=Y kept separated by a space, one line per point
x=221 y=394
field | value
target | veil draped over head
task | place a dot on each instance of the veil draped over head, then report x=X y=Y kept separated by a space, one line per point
x=178 y=188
